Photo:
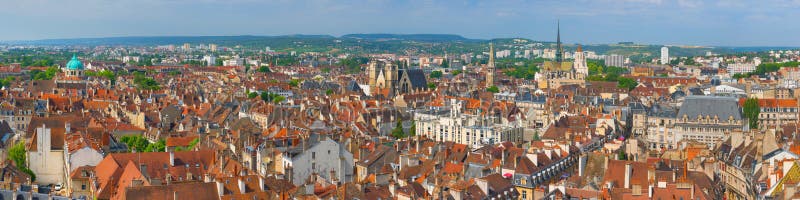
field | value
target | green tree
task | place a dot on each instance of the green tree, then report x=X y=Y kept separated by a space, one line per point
x=329 y=92
x=48 y=74
x=278 y=99
x=456 y=72
x=5 y=82
x=445 y=64
x=751 y=110
x=17 y=153
x=595 y=66
x=432 y=85
x=294 y=82
x=622 y=155
x=616 y=70
x=159 y=146
x=252 y=95
x=436 y=74
x=270 y=97
x=353 y=64
x=397 y=132
x=145 y=83
x=536 y=136
x=493 y=89
x=264 y=69
x=627 y=83
x=413 y=130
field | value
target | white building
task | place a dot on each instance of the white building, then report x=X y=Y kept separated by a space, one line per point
x=320 y=156
x=615 y=60
x=741 y=68
x=45 y=159
x=450 y=123
x=235 y=61
x=127 y=59
x=210 y=60
x=664 y=55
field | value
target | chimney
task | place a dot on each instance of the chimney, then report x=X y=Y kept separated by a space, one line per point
x=241 y=185
x=175 y=195
x=67 y=127
x=391 y=188
x=674 y=175
x=628 y=173
x=261 y=183
x=172 y=159
x=220 y=188
x=650 y=191
x=581 y=165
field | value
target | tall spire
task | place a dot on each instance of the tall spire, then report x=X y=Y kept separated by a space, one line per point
x=559 y=49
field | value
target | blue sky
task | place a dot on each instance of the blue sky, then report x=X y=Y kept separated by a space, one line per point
x=689 y=22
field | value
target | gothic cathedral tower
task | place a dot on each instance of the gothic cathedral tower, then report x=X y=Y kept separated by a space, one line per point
x=372 y=71
x=580 y=62
x=490 y=67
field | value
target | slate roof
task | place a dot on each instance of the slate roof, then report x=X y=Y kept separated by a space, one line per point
x=417 y=78
x=723 y=107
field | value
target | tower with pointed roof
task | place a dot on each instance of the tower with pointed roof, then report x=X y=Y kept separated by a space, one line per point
x=558 y=72
x=490 y=67
x=559 y=48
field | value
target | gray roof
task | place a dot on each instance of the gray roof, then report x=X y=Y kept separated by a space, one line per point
x=723 y=107
x=417 y=78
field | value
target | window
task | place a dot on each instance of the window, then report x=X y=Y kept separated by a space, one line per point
x=329 y=152
x=524 y=194
x=83 y=187
x=313 y=155
x=313 y=166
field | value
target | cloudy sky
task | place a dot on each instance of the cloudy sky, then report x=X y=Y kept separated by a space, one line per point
x=689 y=22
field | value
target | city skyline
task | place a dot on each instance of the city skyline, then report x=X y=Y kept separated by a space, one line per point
x=681 y=22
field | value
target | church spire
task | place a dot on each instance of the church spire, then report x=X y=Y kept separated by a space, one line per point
x=559 y=49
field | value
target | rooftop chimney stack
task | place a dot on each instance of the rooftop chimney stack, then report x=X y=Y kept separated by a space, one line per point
x=628 y=174
x=172 y=159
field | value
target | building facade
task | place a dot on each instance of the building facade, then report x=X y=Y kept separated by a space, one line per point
x=454 y=125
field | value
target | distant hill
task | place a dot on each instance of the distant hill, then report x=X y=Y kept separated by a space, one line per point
x=391 y=43
x=163 y=40
x=413 y=37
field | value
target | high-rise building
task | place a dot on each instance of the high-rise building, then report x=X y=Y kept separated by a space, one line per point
x=210 y=60
x=664 y=55
x=615 y=60
x=213 y=47
x=186 y=46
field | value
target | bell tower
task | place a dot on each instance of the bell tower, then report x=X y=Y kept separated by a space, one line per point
x=490 y=67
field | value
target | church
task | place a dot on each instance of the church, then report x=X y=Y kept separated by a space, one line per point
x=559 y=72
x=388 y=80
x=72 y=82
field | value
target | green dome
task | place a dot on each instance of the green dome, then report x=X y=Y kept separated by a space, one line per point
x=74 y=64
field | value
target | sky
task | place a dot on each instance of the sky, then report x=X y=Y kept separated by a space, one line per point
x=668 y=22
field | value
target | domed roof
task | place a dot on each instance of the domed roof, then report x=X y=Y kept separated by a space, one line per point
x=74 y=64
